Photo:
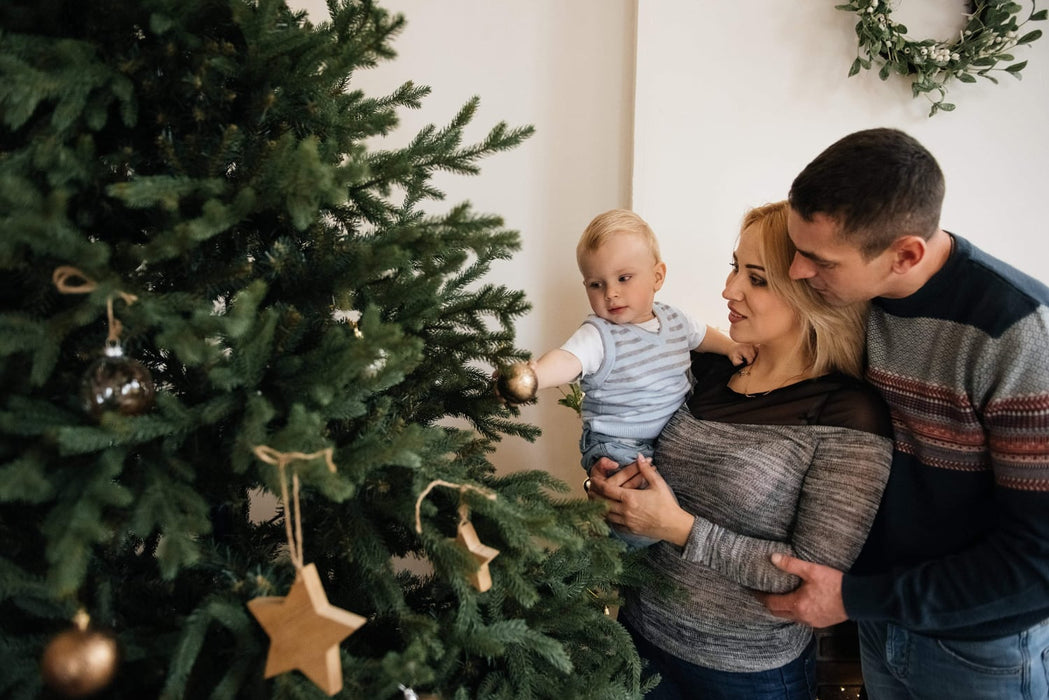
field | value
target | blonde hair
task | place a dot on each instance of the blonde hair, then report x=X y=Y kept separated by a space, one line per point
x=832 y=336
x=614 y=223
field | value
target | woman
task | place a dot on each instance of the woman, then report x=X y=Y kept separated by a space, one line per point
x=788 y=454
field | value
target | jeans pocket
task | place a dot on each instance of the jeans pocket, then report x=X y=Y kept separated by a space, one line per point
x=1001 y=657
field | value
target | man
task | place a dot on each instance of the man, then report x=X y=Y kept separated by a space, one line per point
x=951 y=592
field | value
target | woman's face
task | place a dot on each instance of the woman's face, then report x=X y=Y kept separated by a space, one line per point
x=757 y=315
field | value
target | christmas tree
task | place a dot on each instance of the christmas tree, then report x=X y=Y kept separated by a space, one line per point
x=214 y=285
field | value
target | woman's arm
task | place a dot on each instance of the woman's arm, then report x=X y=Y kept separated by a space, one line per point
x=839 y=497
x=838 y=501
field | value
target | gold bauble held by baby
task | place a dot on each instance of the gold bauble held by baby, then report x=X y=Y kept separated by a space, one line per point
x=517 y=383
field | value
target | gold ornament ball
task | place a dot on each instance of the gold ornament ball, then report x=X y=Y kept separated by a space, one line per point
x=517 y=383
x=79 y=661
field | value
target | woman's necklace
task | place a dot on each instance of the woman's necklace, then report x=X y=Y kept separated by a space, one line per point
x=746 y=371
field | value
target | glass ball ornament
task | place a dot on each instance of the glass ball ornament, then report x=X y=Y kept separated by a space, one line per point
x=114 y=382
x=80 y=661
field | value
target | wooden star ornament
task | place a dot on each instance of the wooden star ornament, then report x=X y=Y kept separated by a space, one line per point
x=305 y=631
x=467 y=538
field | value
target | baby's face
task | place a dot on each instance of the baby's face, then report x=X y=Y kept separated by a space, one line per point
x=622 y=278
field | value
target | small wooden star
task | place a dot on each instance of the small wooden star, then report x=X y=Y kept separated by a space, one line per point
x=483 y=554
x=305 y=631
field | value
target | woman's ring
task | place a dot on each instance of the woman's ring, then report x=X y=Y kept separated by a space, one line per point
x=586 y=485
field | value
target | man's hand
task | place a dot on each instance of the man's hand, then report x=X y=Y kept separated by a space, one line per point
x=816 y=602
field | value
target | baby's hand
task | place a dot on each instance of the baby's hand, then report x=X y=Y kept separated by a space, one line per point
x=742 y=353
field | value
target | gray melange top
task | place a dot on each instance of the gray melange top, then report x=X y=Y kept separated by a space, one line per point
x=799 y=470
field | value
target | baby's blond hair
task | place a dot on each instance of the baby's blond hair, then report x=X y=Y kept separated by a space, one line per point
x=614 y=223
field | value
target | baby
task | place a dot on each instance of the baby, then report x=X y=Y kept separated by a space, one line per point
x=632 y=355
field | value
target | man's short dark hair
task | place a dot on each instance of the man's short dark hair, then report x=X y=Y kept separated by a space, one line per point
x=877 y=184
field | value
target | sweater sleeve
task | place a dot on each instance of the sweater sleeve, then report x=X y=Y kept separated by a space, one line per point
x=838 y=499
x=1001 y=581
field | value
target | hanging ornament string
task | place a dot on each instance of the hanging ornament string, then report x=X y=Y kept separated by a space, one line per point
x=62 y=277
x=281 y=459
x=437 y=482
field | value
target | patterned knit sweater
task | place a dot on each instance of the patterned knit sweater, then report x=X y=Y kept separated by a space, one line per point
x=799 y=470
x=960 y=547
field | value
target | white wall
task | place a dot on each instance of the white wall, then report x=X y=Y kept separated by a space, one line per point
x=734 y=99
x=567 y=69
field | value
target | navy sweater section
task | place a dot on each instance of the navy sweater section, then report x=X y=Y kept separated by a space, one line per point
x=960 y=546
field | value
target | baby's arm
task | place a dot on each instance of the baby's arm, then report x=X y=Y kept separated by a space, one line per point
x=556 y=367
x=716 y=341
x=519 y=382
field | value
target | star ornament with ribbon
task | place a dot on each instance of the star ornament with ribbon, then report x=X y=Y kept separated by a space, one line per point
x=304 y=628
x=305 y=631
x=466 y=536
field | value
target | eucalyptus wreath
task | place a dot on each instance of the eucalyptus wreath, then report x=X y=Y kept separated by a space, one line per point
x=987 y=40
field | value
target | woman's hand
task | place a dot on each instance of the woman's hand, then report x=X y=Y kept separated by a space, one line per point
x=651 y=512
x=629 y=476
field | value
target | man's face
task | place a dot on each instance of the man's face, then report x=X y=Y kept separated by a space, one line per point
x=831 y=266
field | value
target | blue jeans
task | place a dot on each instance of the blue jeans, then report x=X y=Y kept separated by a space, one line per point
x=593 y=446
x=681 y=680
x=623 y=451
x=904 y=665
